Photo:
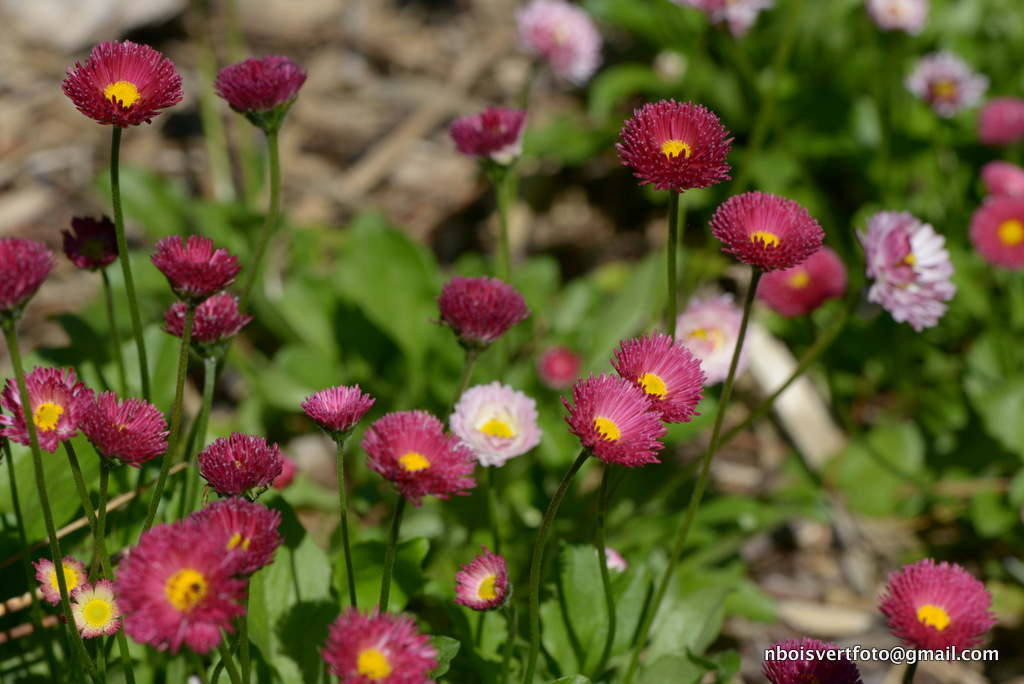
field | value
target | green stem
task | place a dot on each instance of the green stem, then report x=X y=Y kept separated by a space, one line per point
x=83 y=495
x=505 y=188
x=513 y=628
x=538 y=557
x=122 y=253
x=115 y=336
x=492 y=507
x=229 y=662
x=343 y=500
x=108 y=570
x=672 y=249
x=702 y=480
x=908 y=674
x=243 y=639
x=270 y=223
x=467 y=374
x=602 y=558
x=214 y=136
x=197 y=664
x=172 y=438
x=389 y=555
x=188 y=501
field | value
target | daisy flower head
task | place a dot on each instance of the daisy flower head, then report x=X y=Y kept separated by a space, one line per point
x=411 y=450
x=937 y=605
x=559 y=366
x=945 y=82
x=337 y=410
x=261 y=89
x=610 y=416
x=740 y=15
x=666 y=371
x=677 y=145
x=483 y=584
x=24 y=265
x=496 y=422
x=563 y=35
x=766 y=231
x=495 y=135
x=194 y=269
x=709 y=329
x=240 y=465
x=908 y=16
x=799 y=290
x=58 y=403
x=803 y=661
x=130 y=431
x=480 y=310
x=178 y=587
x=46 y=573
x=1001 y=121
x=911 y=268
x=365 y=648
x=614 y=560
x=216 y=322
x=91 y=244
x=123 y=84
x=1003 y=178
x=997 y=231
x=96 y=610
x=246 y=527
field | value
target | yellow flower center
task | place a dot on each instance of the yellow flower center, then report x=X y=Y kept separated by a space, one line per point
x=70 y=579
x=238 y=540
x=715 y=336
x=673 y=148
x=122 y=92
x=944 y=89
x=1011 y=232
x=608 y=429
x=185 y=589
x=373 y=664
x=97 y=612
x=769 y=239
x=413 y=461
x=487 y=590
x=496 y=427
x=47 y=415
x=652 y=384
x=910 y=260
x=933 y=616
x=799 y=280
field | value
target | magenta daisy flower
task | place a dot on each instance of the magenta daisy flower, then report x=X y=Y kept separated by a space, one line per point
x=935 y=606
x=1003 y=178
x=766 y=231
x=93 y=244
x=1001 y=121
x=96 y=610
x=709 y=329
x=123 y=84
x=558 y=367
x=248 y=527
x=46 y=573
x=337 y=409
x=740 y=15
x=261 y=89
x=193 y=268
x=177 y=587
x=58 y=403
x=496 y=422
x=997 y=231
x=240 y=465
x=287 y=473
x=362 y=649
x=480 y=310
x=24 y=265
x=666 y=371
x=614 y=560
x=483 y=584
x=799 y=290
x=496 y=134
x=675 y=145
x=808 y=660
x=131 y=430
x=612 y=419
x=216 y=322
x=563 y=35
x=411 y=450
x=908 y=16
x=946 y=83
x=911 y=268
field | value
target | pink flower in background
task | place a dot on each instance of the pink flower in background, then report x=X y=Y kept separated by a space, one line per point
x=799 y=290
x=709 y=329
x=480 y=310
x=217 y=320
x=495 y=134
x=899 y=15
x=246 y=527
x=740 y=15
x=92 y=244
x=483 y=584
x=946 y=83
x=614 y=560
x=261 y=89
x=131 y=430
x=240 y=465
x=1003 y=178
x=997 y=231
x=194 y=269
x=337 y=410
x=24 y=265
x=288 y=471
x=817 y=668
x=558 y=367
x=58 y=402
x=496 y=422
x=1001 y=121
x=96 y=610
x=366 y=648
x=666 y=371
x=766 y=231
x=563 y=35
x=46 y=573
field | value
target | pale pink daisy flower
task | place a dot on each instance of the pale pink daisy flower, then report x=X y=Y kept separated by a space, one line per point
x=799 y=290
x=946 y=83
x=740 y=15
x=496 y=422
x=496 y=134
x=1001 y=121
x=819 y=667
x=483 y=584
x=1003 y=178
x=666 y=371
x=563 y=35
x=46 y=573
x=559 y=366
x=337 y=410
x=58 y=403
x=899 y=15
x=709 y=329
x=96 y=610
x=366 y=648
x=614 y=560
x=997 y=231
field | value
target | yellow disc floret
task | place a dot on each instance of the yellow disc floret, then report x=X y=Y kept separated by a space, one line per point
x=122 y=92
x=934 y=616
x=185 y=588
x=799 y=280
x=673 y=148
x=487 y=590
x=237 y=540
x=97 y=612
x=413 y=461
x=1011 y=232
x=653 y=384
x=495 y=427
x=608 y=429
x=47 y=415
x=945 y=90
x=769 y=239
x=70 y=579
x=373 y=664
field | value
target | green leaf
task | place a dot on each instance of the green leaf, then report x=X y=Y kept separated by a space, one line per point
x=874 y=470
x=991 y=515
x=691 y=616
x=446 y=650
x=673 y=669
x=627 y=312
x=573 y=679
x=614 y=84
x=368 y=563
x=583 y=601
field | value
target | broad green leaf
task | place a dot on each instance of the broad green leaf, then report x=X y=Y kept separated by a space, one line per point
x=447 y=648
x=368 y=564
x=673 y=669
x=874 y=470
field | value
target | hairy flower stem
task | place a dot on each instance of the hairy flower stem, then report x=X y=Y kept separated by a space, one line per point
x=538 y=557
x=513 y=628
x=115 y=337
x=672 y=249
x=602 y=559
x=188 y=501
x=342 y=499
x=467 y=375
x=90 y=513
x=389 y=555
x=229 y=662
x=122 y=254
x=702 y=481
x=243 y=639
x=270 y=223
x=492 y=507
x=908 y=674
x=172 y=438
x=505 y=183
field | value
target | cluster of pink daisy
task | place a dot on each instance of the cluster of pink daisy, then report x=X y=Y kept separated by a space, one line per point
x=217 y=320
x=908 y=16
x=495 y=135
x=739 y=15
x=1001 y=121
x=240 y=465
x=480 y=310
x=193 y=268
x=94 y=605
x=563 y=35
x=946 y=83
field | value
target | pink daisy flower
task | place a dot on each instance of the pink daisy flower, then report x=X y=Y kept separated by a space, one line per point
x=558 y=367
x=240 y=465
x=899 y=15
x=611 y=418
x=709 y=329
x=935 y=606
x=799 y=290
x=810 y=664
x=1003 y=178
x=1001 y=121
x=946 y=83
x=997 y=231
x=563 y=35
x=337 y=409
x=766 y=231
x=24 y=265
x=740 y=15
x=666 y=371
x=614 y=560
x=131 y=430
x=247 y=527
x=58 y=402
x=287 y=473
x=675 y=145
x=480 y=310
x=216 y=322
x=496 y=422
x=177 y=587
x=911 y=268
x=483 y=584
x=92 y=244
x=362 y=649
x=123 y=84
x=46 y=573
x=261 y=89
x=496 y=134
x=96 y=610
x=411 y=450
x=193 y=268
